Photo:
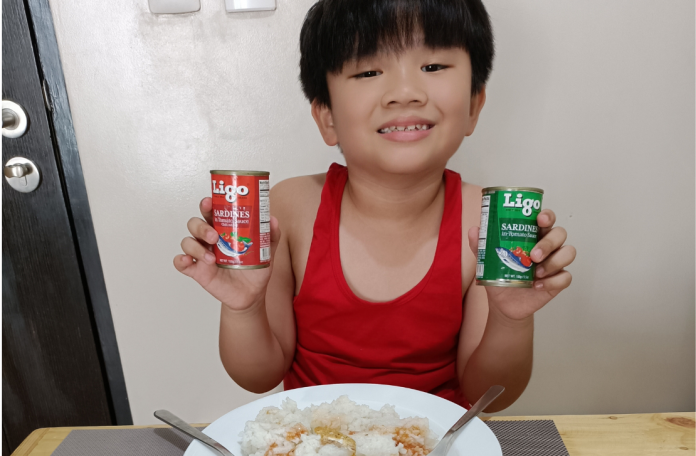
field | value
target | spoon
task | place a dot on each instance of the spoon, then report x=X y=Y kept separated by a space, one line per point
x=176 y=422
x=444 y=445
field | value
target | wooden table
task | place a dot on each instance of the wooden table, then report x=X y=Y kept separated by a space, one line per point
x=601 y=435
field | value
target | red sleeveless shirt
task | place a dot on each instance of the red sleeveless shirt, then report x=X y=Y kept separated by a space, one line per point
x=410 y=341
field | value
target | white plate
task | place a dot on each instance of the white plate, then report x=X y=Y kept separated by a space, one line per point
x=475 y=439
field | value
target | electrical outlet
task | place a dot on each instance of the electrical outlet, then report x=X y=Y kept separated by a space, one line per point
x=238 y=6
x=174 y=6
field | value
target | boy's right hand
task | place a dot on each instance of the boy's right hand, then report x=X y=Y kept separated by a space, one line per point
x=237 y=289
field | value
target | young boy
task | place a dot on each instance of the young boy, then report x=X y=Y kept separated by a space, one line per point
x=372 y=278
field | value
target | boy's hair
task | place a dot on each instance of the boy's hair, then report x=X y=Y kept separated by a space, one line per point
x=337 y=31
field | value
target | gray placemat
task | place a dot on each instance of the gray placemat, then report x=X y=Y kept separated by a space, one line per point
x=528 y=438
x=124 y=442
x=517 y=438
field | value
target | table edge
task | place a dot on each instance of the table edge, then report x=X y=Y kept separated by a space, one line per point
x=26 y=448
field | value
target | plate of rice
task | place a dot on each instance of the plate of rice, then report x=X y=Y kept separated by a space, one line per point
x=346 y=420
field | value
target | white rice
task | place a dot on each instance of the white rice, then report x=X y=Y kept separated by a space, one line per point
x=291 y=431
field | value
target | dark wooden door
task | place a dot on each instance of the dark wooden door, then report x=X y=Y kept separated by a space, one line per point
x=54 y=366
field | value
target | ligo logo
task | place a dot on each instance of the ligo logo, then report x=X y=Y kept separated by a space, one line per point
x=526 y=204
x=229 y=191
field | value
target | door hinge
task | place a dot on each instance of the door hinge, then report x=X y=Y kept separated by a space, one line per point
x=46 y=96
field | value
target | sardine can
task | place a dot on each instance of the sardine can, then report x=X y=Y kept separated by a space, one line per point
x=242 y=218
x=508 y=233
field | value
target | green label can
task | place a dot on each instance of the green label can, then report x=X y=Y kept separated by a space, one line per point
x=509 y=232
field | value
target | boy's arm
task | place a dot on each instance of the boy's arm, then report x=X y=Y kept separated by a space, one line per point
x=257 y=345
x=496 y=338
x=493 y=350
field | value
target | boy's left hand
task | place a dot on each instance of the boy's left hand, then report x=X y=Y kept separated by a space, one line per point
x=550 y=256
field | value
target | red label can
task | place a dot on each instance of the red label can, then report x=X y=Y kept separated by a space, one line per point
x=242 y=218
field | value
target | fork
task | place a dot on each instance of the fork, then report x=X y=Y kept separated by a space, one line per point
x=176 y=422
x=444 y=445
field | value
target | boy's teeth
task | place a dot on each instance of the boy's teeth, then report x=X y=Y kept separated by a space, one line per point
x=405 y=128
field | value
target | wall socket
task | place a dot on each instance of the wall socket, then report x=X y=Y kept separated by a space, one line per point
x=174 y=6
x=238 y=6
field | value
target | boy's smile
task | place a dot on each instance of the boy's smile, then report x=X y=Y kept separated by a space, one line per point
x=401 y=113
x=406 y=129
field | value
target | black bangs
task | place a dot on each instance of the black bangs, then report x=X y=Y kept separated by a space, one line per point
x=337 y=31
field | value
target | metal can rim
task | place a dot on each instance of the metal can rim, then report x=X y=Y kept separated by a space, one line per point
x=513 y=189
x=243 y=266
x=233 y=172
x=505 y=283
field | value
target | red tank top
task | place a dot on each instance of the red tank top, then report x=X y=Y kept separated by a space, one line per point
x=410 y=341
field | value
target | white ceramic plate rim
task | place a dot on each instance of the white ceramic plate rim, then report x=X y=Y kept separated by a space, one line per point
x=475 y=439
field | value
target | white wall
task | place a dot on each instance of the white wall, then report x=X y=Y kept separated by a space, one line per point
x=592 y=101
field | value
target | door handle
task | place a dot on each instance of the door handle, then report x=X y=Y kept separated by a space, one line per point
x=14 y=120
x=17 y=170
x=22 y=174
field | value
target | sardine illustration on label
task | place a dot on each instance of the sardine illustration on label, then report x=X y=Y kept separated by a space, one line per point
x=508 y=233
x=227 y=249
x=510 y=260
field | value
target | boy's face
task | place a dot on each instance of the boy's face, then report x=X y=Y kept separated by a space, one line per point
x=422 y=87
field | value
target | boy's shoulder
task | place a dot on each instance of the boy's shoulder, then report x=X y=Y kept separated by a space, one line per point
x=471 y=205
x=471 y=193
x=297 y=197
x=298 y=187
x=471 y=216
x=471 y=190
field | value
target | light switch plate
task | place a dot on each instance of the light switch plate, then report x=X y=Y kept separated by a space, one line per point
x=174 y=6
x=238 y=6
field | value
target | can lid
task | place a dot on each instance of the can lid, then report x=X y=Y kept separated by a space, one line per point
x=513 y=189
x=233 y=172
